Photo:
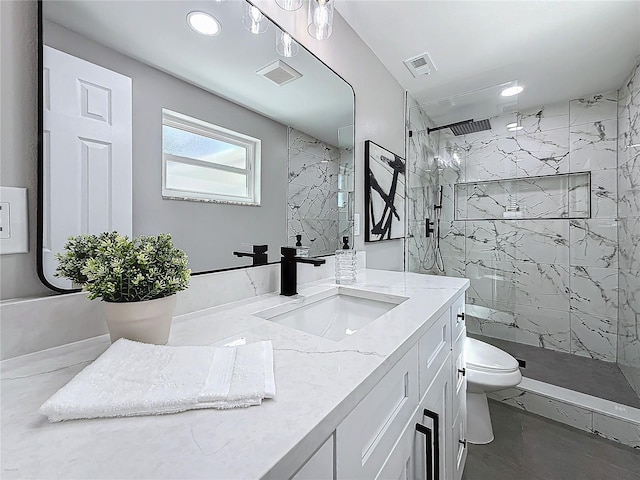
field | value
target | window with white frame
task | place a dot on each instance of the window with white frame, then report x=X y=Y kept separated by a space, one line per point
x=206 y=162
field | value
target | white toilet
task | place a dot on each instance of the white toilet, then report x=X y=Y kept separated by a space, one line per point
x=488 y=369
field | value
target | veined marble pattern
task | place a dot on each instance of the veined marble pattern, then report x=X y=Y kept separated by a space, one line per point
x=547 y=117
x=530 y=325
x=604 y=194
x=543 y=241
x=490 y=159
x=594 y=291
x=452 y=239
x=624 y=432
x=491 y=282
x=629 y=229
x=595 y=108
x=629 y=191
x=542 y=153
x=313 y=207
x=540 y=284
x=593 y=146
x=547 y=407
x=594 y=337
x=594 y=243
x=491 y=240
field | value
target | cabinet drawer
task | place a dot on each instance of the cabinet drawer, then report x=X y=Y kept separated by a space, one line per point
x=459 y=372
x=320 y=465
x=457 y=317
x=365 y=438
x=459 y=444
x=433 y=348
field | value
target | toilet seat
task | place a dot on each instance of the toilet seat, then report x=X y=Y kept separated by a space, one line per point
x=483 y=357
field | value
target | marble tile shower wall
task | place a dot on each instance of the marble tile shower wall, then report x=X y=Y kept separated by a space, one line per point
x=544 y=282
x=629 y=228
x=312 y=209
x=422 y=187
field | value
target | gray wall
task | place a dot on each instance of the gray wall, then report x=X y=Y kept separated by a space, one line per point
x=379 y=106
x=379 y=117
x=208 y=232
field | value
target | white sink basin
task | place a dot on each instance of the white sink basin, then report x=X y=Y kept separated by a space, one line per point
x=334 y=314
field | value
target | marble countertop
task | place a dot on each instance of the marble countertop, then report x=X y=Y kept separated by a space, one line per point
x=318 y=382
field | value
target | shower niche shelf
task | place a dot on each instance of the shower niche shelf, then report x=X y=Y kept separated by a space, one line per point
x=562 y=196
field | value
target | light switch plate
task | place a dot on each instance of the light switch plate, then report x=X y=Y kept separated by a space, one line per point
x=13 y=220
x=356 y=224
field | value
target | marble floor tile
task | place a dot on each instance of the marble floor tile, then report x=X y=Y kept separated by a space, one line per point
x=594 y=243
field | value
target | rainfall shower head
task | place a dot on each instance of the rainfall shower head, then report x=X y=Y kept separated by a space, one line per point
x=464 y=128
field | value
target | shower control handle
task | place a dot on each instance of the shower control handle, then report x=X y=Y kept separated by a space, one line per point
x=428 y=226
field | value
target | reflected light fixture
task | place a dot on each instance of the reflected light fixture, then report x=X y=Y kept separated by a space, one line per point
x=511 y=91
x=253 y=19
x=203 y=23
x=320 y=19
x=514 y=127
x=289 y=5
x=285 y=45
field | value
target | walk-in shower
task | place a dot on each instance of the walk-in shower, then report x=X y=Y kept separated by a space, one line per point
x=542 y=213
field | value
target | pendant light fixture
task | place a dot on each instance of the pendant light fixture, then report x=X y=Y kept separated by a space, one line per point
x=285 y=45
x=289 y=5
x=253 y=19
x=320 y=18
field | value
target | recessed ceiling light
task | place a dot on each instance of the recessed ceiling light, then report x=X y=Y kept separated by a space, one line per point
x=511 y=91
x=203 y=23
x=514 y=127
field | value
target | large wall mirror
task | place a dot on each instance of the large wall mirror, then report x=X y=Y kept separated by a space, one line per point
x=226 y=140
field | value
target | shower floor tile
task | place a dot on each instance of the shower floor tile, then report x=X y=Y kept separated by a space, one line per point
x=530 y=447
x=585 y=375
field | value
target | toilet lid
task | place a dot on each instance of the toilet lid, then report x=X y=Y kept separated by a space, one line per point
x=483 y=356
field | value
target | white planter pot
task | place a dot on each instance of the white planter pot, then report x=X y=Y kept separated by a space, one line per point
x=148 y=321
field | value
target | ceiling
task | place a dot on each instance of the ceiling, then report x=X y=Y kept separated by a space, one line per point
x=157 y=33
x=557 y=50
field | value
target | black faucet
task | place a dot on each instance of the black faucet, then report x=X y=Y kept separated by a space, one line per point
x=259 y=254
x=289 y=270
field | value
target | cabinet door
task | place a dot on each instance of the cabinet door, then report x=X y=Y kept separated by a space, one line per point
x=368 y=434
x=436 y=419
x=320 y=465
x=459 y=373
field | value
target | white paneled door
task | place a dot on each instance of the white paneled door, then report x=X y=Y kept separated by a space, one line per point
x=87 y=153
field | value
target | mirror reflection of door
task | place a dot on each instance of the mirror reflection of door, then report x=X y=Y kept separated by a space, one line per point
x=87 y=153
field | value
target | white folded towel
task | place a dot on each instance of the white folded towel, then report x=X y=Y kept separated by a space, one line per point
x=133 y=378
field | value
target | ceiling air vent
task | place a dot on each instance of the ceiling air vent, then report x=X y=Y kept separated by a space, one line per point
x=279 y=73
x=420 y=65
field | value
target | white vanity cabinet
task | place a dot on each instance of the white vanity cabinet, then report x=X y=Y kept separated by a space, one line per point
x=411 y=424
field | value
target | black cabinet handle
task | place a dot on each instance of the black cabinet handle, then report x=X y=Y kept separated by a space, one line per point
x=463 y=443
x=428 y=454
x=463 y=371
x=436 y=441
x=461 y=316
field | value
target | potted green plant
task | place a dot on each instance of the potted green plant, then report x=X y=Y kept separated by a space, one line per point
x=137 y=279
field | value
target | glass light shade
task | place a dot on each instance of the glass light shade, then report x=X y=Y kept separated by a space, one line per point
x=253 y=19
x=285 y=45
x=289 y=5
x=320 y=19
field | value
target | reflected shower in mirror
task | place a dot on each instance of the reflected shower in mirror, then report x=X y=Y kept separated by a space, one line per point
x=215 y=138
